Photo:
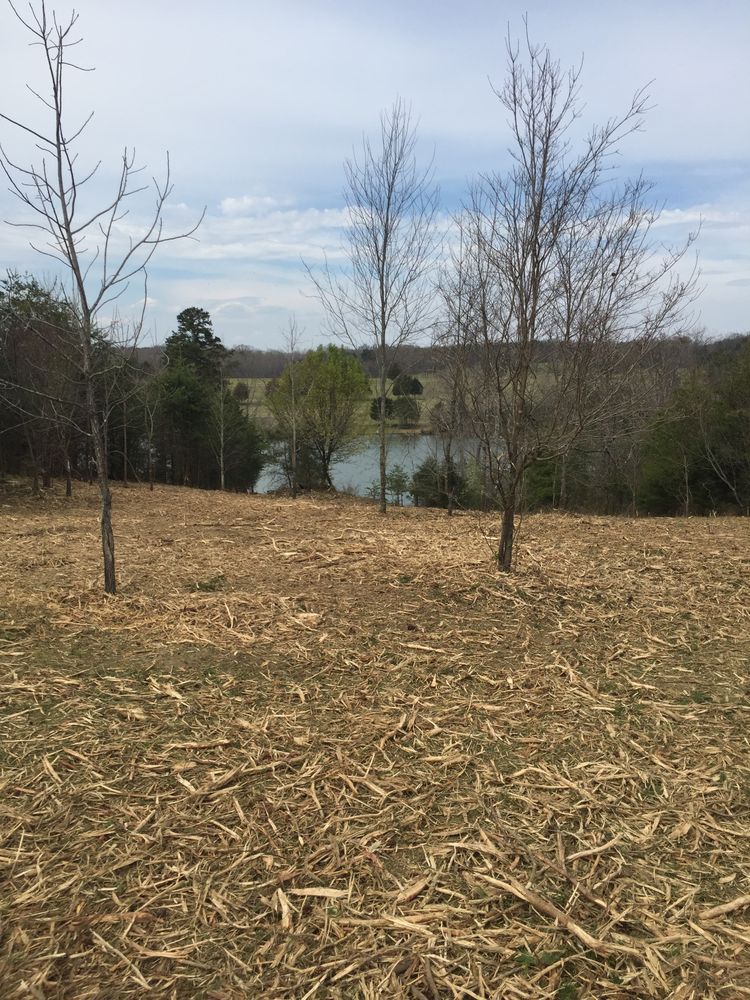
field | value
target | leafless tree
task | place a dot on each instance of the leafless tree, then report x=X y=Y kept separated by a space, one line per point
x=385 y=296
x=286 y=398
x=100 y=257
x=449 y=418
x=292 y=338
x=150 y=399
x=566 y=291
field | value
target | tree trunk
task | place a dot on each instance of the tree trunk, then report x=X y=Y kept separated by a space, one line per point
x=108 y=540
x=105 y=517
x=99 y=444
x=124 y=443
x=293 y=459
x=68 y=477
x=35 y=491
x=381 y=434
x=505 y=549
x=222 y=471
x=450 y=478
x=293 y=453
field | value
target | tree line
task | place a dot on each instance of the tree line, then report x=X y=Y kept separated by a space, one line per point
x=678 y=442
x=177 y=423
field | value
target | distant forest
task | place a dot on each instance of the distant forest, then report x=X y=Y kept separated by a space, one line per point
x=251 y=362
x=675 y=439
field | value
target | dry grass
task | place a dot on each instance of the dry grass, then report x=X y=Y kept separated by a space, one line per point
x=308 y=752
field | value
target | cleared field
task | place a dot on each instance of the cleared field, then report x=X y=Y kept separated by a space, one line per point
x=257 y=408
x=311 y=752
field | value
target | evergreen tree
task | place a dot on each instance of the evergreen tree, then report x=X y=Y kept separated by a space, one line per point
x=195 y=344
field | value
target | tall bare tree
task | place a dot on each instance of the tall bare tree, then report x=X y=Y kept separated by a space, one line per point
x=568 y=291
x=98 y=254
x=385 y=296
x=450 y=419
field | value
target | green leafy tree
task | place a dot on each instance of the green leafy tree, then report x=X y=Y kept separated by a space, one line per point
x=324 y=390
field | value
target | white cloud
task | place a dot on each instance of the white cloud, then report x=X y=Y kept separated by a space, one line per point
x=289 y=235
x=248 y=204
x=706 y=216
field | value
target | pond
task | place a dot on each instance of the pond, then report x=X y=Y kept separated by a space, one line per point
x=360 y=470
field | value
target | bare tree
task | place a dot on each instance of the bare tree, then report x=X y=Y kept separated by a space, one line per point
x=568 y=291
x=286 y=397
x=385 y=296
x=150 y=399
x=98 y=255
x=291 y=339
x=451 y=345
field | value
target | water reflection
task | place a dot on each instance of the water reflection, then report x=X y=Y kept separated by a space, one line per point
x=360 y=470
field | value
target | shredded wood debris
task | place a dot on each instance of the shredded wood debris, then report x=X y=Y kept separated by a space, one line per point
x=308 y=751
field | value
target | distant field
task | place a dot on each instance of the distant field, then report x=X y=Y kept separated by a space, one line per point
x=432 y=388
x=311 y=752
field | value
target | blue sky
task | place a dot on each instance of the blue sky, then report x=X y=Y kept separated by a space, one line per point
x=259 y=104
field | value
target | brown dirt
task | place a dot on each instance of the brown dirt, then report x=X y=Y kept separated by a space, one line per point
x=310 y=752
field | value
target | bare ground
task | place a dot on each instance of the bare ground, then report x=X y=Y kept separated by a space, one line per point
x=311 y=752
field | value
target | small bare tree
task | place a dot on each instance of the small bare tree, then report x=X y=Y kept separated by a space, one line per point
x=385 y=296
x=97 y=253
x=568 y=291
x=150 y=399
x=291 y=340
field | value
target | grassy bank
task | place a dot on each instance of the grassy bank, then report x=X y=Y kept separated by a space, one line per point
x=257 y=407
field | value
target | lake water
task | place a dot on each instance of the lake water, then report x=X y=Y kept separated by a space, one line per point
x=357 y=473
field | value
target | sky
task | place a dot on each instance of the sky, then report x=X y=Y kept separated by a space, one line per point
x=259 y=104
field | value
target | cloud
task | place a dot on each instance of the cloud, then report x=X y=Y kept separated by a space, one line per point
x=706 y=216
x=234 y=310
x=248 y=204
x=280 y=235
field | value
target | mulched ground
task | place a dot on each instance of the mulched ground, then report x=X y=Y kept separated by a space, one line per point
x=311 y=752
